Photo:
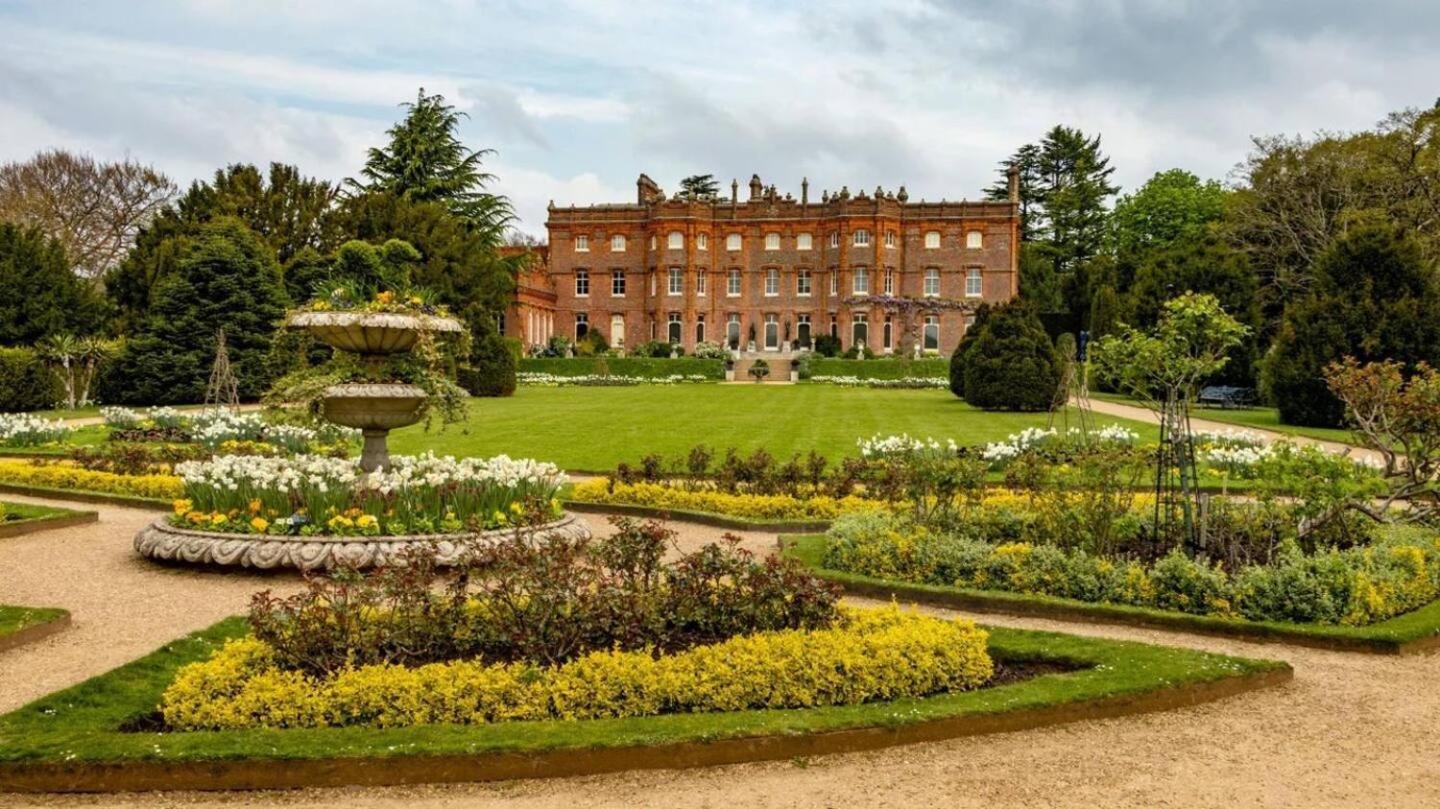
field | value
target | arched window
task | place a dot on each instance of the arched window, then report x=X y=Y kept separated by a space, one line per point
x=673 y=330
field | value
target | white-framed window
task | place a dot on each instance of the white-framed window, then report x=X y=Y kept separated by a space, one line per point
x=772 y=332
x=802 y=330
x=802 y=283
x=802 y=241
x=974 y=239
x=859 y=329
x=932 y=282
x=702 y=241
x=700 y=284
x=673 y=327
x=834 y=327
x=861 y=238
x=582 y=283
x=617 y=331
x=834 y=238
x=652 y=242
x=582 y=243
x=582 y=324
x=968 y=322
x=617 y=243
x=732 y=284
x=732 y=329
x=700 y=328
x=772 y=282
x=617 y=283
x=860 y=281
x=972 y=283
x=675 y=241
x=732 y=242
x=932 y=332
x=890 y=240
x=889 y=282
x=932 y=239
x=652 y=294
x=772 y=241
x=834 y=282
x=677 y=282
x=886 y=333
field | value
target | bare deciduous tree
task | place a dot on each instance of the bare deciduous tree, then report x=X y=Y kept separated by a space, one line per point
x=95 y=209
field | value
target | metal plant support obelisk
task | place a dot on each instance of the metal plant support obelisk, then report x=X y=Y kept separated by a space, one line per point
x=374 y=408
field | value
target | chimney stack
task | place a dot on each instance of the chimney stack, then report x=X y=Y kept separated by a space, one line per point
x=804 y=190
x=755 y=187
x=1012 y=177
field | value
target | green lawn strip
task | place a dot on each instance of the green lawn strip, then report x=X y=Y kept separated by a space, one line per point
x=24 y=512
x=1403 y=633
x=15 y=619
x=594 y=429
x=80 y=724
x=91 y=436
x=1259 y=418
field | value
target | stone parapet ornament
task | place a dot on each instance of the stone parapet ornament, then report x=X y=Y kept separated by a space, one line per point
x=164 y=542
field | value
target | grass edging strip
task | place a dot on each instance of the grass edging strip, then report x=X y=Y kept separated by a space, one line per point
x=47 y=621
x=700 y=517
x=61 y=518
x=1412 y=633
x=83 y=496
x=71 y=741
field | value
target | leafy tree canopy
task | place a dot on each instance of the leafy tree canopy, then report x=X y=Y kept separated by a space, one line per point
x=42 y=296
x=699 y=186
x=1171 y=206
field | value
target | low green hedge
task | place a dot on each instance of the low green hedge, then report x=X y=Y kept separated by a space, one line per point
x=881 y=368
x=25 y=382
x=646 y=367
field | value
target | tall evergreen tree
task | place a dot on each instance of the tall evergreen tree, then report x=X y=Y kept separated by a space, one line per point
x=42 y=296
x=1374 y=297
x=227 y=277
x=1012 y=364
x=699 y=186
x=425 y=161
x=289 y=211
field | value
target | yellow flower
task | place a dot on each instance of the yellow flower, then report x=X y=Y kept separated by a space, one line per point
x=385 y=297
x=365 y=520
x=260 y=524
x=517 y=508
x=183 y=506
x=218 y=519
x=255 y=506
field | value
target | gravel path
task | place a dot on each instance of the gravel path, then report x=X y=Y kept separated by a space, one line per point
x=1351 y=730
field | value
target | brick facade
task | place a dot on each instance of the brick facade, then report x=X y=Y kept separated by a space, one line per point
x=770 y=263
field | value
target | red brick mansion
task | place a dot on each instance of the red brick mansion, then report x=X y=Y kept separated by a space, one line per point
x=878 y=269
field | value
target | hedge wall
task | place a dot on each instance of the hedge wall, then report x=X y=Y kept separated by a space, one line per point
x=25 y=382
x=623 y=366
x=930 y=367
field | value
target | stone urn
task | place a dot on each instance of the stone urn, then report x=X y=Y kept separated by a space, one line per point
x=374 y=408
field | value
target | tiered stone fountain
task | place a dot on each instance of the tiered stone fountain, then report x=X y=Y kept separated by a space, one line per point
x=374 y=408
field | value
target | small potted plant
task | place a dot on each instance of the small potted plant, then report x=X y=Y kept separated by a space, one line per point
x=760 y=370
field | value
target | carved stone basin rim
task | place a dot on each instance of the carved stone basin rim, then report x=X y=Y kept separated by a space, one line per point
x=373 y=320
x=162 y=541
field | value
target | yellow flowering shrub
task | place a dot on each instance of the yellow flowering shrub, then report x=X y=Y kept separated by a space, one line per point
x=869 y=655
x=66 y=475
x=750 y=506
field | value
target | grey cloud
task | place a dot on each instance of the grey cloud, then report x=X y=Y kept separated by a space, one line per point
x=499 y=109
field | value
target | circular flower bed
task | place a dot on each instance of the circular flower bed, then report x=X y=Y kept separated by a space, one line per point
x=311 y=495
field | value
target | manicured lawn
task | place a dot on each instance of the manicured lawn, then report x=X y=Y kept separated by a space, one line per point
x=1259 y=418
x=91 y=436
x=593 y=429
x=14 y=619
x=24 y=511
x=82 y=723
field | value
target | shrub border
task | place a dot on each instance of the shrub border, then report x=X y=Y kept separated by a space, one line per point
x=1412 y=633
x=64 y=518
x=1120 y=678
x=710 y=518
x=58 y=622
x=86 y=496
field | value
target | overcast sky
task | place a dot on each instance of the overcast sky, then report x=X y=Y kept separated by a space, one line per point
x=579 y=97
